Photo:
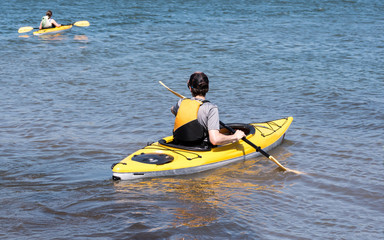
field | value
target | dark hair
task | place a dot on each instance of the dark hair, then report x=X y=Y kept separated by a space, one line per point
x=49 y=13
x=199 y=84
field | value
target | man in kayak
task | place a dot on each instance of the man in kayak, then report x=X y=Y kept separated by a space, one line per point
x=48 y=22
x=197 y=120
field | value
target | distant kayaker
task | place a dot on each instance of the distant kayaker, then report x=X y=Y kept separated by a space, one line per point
x=197 y=120
x=48 y=22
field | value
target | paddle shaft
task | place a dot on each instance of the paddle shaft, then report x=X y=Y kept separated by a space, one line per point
x=53 y=27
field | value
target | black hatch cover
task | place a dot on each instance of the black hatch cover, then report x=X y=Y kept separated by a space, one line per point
x=154 y=158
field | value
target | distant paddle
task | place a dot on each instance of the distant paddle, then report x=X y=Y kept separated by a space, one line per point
x=258 y=149
x=78 y=24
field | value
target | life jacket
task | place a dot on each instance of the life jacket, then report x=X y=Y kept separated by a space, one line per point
x=187 y=129
x=46 y=22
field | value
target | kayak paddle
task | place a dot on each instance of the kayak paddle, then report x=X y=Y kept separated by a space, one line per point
x=177 y=94
x=78 y=24
x=258 y=149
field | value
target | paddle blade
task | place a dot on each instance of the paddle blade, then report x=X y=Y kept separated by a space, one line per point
x=25 y=29
x=81 y=24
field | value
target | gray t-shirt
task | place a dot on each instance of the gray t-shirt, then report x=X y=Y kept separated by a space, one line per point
x=208 y=115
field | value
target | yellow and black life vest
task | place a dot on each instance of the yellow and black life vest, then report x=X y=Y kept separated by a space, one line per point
x=187 y=129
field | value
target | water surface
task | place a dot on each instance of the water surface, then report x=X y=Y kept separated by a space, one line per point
x=73 y=104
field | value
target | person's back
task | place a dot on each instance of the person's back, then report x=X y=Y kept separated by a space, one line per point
x=197 y=120
x=191 y=122
x=48 y=22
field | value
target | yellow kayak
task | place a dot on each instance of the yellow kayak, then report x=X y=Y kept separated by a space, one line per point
x=54 y=30
x=162 y=158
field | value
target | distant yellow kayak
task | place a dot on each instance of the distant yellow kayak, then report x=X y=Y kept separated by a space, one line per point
x=54 y=30
x=164 y=159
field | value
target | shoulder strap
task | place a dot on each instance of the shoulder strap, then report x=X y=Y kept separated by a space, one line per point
x=202 y=101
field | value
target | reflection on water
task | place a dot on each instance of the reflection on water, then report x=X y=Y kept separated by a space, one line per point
x=58 y=37
x=53 y=37
x=80 y=38
x=199 y=200
x=61 y=37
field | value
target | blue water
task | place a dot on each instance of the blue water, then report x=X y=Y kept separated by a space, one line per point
x=73 y=104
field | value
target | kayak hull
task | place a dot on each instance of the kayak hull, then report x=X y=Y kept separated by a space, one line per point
x=51 y=31
x=267 y=135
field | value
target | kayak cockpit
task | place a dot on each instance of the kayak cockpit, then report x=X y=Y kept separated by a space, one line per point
x=206 y=146
x=246 y=128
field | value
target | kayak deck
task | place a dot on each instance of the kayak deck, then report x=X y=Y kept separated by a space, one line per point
x=54 y=30
x=162 y=159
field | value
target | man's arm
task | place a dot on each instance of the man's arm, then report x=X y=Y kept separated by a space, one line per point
x=217 y=138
